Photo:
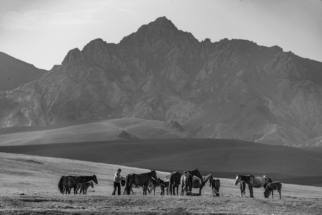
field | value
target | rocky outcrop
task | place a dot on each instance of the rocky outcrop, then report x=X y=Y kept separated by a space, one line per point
x=227 y=89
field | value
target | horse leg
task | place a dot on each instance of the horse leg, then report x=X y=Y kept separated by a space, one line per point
x=279 y=191
x=251 y=191
x=182 y=189
x=272 y=194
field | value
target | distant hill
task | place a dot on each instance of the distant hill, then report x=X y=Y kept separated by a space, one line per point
x=99 y=130
x=222 y=158
x=233 y=89
x=14 y=72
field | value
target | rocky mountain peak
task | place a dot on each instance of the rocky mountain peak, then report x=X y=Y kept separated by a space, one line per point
x=163 y=22
x=72 y=56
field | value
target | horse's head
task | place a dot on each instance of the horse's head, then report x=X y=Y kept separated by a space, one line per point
x=154 y=175
x=267 y=192
x=238 y=179
x=95 y=179
x=196 y=173
x=92 y=185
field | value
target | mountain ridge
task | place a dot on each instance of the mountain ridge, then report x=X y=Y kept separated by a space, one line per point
x=226 y=89
x=14 y=72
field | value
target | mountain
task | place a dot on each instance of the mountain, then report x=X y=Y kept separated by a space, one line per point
x=227 y=89
x=14 y=72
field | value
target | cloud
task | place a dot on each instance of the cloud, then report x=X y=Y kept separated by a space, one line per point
x=36 y=19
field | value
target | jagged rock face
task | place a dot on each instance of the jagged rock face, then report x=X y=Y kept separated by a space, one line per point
x=228 y=89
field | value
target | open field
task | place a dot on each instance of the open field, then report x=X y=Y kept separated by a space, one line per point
x=29 y=186
x=98 y=130
x=222 y=158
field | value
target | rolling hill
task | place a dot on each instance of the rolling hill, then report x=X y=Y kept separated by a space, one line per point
x=99 y=130
x=222 y=158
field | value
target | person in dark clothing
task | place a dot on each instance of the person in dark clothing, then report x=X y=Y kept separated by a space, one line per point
x=117 y=182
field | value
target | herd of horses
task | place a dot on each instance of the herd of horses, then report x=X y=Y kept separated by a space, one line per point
x=67 y=183
x=170 y=185
x=186 y=179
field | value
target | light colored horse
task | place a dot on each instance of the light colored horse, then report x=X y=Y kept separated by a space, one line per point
x=276 y=185
x=197 y=183
x=253 y=181
x=185 y=181
x=84 y=186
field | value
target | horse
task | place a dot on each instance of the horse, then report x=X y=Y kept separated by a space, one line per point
x=174 y=181
x=163 y=185
x=276 y=185
x=197 y=183
x=253 y=181
x=139 y=180
x=82 y=179
x=215 y=185
x=66 y=183
x=83 y=187
x=153 y=184
x=186 y=180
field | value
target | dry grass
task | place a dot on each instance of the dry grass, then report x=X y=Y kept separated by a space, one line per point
x=223 y=158
x=37 y=178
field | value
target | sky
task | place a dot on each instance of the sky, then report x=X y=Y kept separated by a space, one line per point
x=41 y=32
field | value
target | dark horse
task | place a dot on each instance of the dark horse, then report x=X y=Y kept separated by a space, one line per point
x=174 y=182
x=66 y=185
x=276 y=185
x=187 y=180
x=253 y=181
x=139 y=180
x=164 y=185
x=215 y=185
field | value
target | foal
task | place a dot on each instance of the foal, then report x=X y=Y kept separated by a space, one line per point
x=215 y=185
x=164 y=185
x=276 y=185
x=84 y=186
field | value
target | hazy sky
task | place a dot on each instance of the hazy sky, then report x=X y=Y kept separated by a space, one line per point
x=41 y=32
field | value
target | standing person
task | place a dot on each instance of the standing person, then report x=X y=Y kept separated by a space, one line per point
x=117 y=182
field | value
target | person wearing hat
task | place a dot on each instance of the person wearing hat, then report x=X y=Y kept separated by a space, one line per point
x=117 y=182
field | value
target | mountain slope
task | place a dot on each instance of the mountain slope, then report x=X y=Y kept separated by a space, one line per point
x=14 y=72
x=227 y=89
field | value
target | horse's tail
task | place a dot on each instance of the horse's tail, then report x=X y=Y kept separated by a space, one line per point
x=60 y=185
x=217 y=185
x=127 y=185
x=169 y=184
